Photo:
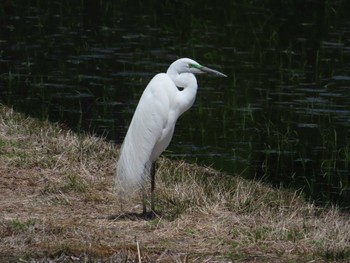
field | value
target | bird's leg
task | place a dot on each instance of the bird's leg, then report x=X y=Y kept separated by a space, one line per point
x=144 y=208
x=153 y=185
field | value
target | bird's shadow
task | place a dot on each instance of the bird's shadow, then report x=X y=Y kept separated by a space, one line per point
x=148 y=216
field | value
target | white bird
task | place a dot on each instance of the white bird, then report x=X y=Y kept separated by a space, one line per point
x=152 y=126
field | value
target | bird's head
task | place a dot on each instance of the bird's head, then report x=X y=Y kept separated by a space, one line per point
x=187 y=65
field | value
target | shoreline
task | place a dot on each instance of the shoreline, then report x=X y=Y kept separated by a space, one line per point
x=57 y=192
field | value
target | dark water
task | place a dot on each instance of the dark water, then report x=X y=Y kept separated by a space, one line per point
x=282 y=115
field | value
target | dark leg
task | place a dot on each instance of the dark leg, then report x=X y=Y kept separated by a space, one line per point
x=144 y=209
x=153 y=185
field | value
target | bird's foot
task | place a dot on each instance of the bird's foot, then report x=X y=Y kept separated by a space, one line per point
x=150 y=215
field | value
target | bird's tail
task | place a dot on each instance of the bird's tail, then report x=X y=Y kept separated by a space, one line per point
x=132 y=170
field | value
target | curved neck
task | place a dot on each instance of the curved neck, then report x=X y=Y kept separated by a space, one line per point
x=186 y=97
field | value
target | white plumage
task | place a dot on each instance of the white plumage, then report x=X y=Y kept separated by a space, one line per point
x=153 y=123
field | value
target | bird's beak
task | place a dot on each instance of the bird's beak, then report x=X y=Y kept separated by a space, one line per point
x=212 y=71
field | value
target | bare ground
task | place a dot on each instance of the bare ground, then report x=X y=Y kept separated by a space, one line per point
x=57 y=199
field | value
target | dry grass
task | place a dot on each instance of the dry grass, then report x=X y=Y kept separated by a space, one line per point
x=56 y=193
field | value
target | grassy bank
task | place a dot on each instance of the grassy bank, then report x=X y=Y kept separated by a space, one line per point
x=56 y=197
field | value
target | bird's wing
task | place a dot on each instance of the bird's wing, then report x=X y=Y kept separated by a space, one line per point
x=145 y=131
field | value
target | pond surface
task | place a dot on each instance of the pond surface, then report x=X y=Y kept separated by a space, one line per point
x=281 y=116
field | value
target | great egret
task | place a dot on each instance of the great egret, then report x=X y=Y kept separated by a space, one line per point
x=153 y=123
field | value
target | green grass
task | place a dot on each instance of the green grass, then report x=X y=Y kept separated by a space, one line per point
x=16 y=226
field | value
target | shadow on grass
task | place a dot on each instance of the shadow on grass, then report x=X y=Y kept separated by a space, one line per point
x=148 y=216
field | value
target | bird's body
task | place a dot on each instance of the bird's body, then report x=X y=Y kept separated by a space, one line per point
x=152 y=126
x=148 y=137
